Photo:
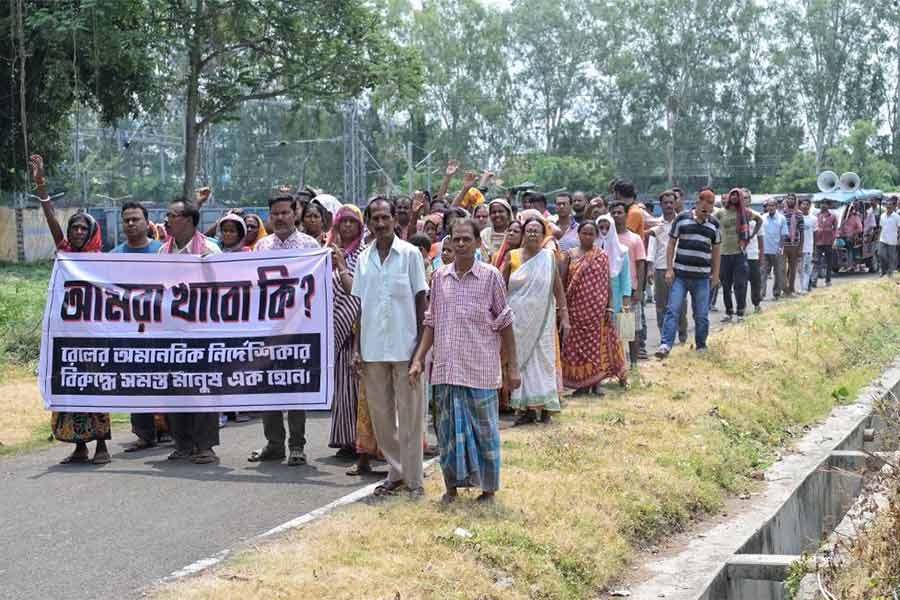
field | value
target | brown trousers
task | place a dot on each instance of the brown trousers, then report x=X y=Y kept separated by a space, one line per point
x=793 y=256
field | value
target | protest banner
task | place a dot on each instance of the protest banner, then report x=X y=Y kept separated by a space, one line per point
x=136 y=333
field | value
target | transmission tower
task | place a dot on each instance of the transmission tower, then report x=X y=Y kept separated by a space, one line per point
x=354 y=159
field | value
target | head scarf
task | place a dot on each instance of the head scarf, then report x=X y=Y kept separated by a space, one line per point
x=331 y=204
x=610 y=244
x=237 y=220
x=347 y=211
x=94 y=242
x=742 y=219
x=473 y=198
x=262 y=229
x=502 y=203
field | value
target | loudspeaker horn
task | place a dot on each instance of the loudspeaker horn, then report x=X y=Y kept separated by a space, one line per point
x=849 y=182
x=827 y=181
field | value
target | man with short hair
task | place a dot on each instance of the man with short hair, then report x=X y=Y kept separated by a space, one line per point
x=136 y=224
x=693 y=265
x=888 y=239
x=404 y=208
x=793 y=242
x=468 y=302
x=656 y=257
x=390 y=283
x=809 y=227
x=634 y=219
x=637 y=261
x=774 y=233
x=566 y=223
x=194 y=434
x=825 y=235
x=579 y=205
x=285 y=236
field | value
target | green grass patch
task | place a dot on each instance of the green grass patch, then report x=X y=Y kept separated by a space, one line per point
x=23 y=294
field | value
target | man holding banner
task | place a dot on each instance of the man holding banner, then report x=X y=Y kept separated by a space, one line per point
x=283 y=216
x=194 y=434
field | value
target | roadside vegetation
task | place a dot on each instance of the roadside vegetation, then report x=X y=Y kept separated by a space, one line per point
x=24 y=423
x=615 y=475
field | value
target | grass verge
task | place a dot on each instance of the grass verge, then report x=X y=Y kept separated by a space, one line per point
x=24 y=424
x=579 y=498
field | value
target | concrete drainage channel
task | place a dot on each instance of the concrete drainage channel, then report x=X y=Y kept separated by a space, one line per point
x=809 y=492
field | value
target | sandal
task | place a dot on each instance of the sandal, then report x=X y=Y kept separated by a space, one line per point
x=74 y=459
x=101 y=458
x=264 y=454
x=204 y=457
x=526 y=418
x=179 y=455
x=297 y=457
x=359 y=470
x=139 y=445
x=389 y=488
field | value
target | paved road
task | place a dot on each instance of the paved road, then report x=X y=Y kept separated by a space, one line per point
x=107 y=532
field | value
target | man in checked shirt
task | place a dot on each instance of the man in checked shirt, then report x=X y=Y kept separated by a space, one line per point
x=468 y=321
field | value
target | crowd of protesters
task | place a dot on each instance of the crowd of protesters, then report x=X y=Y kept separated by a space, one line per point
x=465 y=308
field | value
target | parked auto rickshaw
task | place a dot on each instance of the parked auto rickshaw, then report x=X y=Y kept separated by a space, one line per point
x=856 y=248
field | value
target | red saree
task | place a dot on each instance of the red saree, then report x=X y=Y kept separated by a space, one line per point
x=591 y=352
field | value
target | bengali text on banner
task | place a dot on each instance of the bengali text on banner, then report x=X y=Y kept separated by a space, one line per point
x=135 y=333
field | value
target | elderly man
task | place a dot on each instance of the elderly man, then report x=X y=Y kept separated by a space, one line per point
x=390 y=283
x=195 y=434
x=466 y=376
x=286 y=236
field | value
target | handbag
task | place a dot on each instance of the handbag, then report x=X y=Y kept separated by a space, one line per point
x=625 y=326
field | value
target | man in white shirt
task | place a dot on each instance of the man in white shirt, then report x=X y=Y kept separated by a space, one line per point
x=656 y=253
x=809 y=227
x=754 y=251
x=887 y=242
x=390 y=282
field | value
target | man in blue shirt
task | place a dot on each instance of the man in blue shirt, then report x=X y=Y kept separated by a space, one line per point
x=136 y=225
x=775 y=232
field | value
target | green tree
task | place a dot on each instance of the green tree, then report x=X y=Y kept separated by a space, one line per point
x=67 y=53
x=234 y=51
x=821 y=42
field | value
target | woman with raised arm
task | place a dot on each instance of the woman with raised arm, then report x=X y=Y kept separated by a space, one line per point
x=82 y=235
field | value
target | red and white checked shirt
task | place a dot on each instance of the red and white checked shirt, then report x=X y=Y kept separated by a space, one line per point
x=467 y=316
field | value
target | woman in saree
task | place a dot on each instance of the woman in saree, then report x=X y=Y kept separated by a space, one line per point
x=535 y=292
x=82 y=235
x=256 y=230
x=591 y=352
x=345 y=239
x=511 y=241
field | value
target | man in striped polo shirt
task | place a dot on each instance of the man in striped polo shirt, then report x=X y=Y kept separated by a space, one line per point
x=693 y=267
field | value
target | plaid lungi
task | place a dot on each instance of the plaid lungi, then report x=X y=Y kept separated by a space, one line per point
x=469 y=436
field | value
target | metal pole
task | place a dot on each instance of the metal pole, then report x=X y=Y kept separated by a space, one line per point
x=410 y=170
x=428 y=172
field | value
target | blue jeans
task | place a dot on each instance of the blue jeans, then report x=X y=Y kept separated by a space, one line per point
x=699 y=290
